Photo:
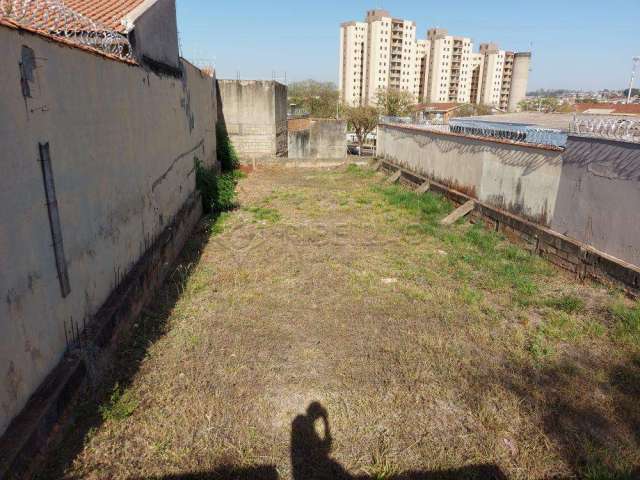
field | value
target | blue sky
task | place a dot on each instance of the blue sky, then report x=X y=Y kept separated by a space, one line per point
x=584 y=44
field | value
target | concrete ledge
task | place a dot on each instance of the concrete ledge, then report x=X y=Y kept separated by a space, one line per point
x=29 y=433
x=565 y=252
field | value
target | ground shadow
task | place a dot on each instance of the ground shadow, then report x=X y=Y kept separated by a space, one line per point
x=311 y=460
x=595 y=438
x=128 y=353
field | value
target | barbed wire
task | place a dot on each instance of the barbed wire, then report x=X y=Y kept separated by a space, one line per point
x=483 y=128
x=614 y=128
x=55 y=18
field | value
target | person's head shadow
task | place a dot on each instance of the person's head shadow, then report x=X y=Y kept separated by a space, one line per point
x=310 y=450
x=311 y=460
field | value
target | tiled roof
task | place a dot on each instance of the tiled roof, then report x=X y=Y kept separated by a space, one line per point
x=608 y=108
x=108 y=12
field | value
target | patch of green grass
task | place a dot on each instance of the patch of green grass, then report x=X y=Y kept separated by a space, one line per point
x=627 y=320
x=540 y=347
x=214 y=224
x=270 y=215
x=359 y=171
x=469 y=295
x=494 y=263
x=121 y=405
x=566 y=303
x=430 y=206
x=560 y=326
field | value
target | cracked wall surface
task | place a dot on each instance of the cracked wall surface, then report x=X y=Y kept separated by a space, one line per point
x=122 y=144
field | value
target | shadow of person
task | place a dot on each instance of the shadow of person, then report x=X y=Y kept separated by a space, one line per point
x=310 y=451
x=311 y=460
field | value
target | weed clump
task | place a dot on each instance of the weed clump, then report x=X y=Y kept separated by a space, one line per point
x=566 y=303
x=627 y=321
x=227 y=155
x=120 y=406
x=218 y=191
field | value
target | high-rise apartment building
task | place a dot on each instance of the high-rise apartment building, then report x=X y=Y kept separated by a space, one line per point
x=378 y=54
x=449 y=78
x=383 y=52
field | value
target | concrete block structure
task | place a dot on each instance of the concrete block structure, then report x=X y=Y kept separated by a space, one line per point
x=254 y=114
x=317 y=139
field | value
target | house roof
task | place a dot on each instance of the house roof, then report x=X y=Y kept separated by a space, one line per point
x=436 y=107
x=108 y=13
x=608 y=108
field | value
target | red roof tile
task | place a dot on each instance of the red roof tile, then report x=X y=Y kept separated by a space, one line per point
x=621 y=109
x=108 y=12
x=436 y=107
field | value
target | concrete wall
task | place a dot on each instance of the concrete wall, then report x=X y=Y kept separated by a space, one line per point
x=122 y=143
x=255 y=115
x=318 y=139
x=155 y=35
x=589 y=192
x=599 y=196
x=520 y=179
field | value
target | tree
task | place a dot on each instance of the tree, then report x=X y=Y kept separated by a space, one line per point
x=394 y=103
x=319 y=99
x=543 y=104
x=472 y=110
x=362 y=120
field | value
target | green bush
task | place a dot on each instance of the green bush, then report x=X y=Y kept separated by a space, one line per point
x=218 y=191
x=225 y=150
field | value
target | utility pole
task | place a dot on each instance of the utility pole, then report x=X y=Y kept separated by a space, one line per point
x=636 y=61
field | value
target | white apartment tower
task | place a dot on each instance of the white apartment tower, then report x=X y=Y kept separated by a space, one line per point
x=383 y=52
x=449 y=78
x=375 y=55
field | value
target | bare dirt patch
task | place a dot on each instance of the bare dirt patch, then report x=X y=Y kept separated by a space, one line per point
x=330 y=328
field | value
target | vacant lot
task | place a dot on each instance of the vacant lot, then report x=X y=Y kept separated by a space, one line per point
x=433 y=352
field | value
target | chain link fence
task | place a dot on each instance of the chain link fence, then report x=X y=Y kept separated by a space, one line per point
x=55 y=18
x=613 y=128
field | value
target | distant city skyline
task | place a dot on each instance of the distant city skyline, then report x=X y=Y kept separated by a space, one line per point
x=576 y=44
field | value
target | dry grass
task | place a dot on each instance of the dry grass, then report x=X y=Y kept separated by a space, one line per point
x=432 y=349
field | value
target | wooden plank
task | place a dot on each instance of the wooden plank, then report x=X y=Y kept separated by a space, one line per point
x=377 y=165
x=459 y=212
x=395 y=177
x=424 y=187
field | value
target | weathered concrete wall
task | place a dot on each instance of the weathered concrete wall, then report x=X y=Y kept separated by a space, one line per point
x=148 y=21
x=319 y=138
x=255 y=115
x=599 y=196
x=588 y=192
x=122 y=144
x=522 y=180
